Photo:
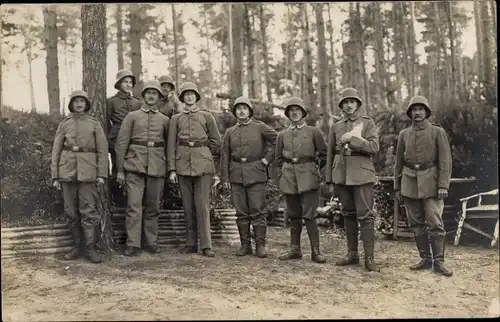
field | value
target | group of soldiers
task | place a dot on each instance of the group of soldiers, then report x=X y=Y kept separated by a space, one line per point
x=165 y=136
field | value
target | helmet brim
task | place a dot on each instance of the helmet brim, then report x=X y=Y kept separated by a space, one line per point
x=181 y=95
x=118 y=82
x=87 y=108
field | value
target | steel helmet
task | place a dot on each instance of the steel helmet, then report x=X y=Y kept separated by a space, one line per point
x=78 y=93
x=242 y=100
x=121 y=75
x=188 y=86
x=166 y=79
x=297 y=101
x=151 y=84
x=419 y=100
x=350 y=93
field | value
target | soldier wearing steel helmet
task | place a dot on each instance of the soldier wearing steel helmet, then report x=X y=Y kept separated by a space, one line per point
x=193 y=141
x=79 y=161
x=352 y=143
x=169 y=104
x=247 y=151
x=299 y=177
x=421 y=179
x=117 y=107
x=141 y=159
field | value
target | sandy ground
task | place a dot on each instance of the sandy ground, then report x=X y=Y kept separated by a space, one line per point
x=173 y=286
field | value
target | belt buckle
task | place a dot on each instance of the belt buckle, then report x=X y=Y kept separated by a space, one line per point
x=191 y=144
x=295 y=160
x=243 y=160
x=151 y=144
x=417 y=166
x=75 y=148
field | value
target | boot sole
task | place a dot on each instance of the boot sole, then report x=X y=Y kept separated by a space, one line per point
x=347 y=264
x=442 y=274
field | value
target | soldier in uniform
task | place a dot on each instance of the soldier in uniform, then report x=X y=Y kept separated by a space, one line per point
x=247 y=150
x=421 y=179
x=79 y=161
x=299 y=177
x=352 y=142
x=117 y=107
x=169 y=104
x=193 y=141
x=141 y=159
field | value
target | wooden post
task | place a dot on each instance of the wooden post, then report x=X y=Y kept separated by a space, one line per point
x=395 y=223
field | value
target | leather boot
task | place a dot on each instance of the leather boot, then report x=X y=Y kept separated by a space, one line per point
x=246 y=245
x=75 y=252
x=368 y=235
x=438 y=246
x=313 y=233
x=90 y=244
x=189 y=249
x=131 y=251
x=351 y=228
x=424 y=250
x=260 y=241
x=295 y=232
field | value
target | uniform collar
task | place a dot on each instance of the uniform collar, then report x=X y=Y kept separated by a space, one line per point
x=123 y=95
x=192 y=110
x=79 y=115
x=354 y=117
x=245 y=123
x=146 y=108
x=298 y=126
x=419 y=126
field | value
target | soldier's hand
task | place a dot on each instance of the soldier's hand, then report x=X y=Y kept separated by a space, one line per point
x=398 y=196
x=173 y=177
x=264 y=160
x=330 y=187
x=100 y=181
x=345 y=138
x=226 y=185
x=56 y=184
x=120 y=178
x=442 y=193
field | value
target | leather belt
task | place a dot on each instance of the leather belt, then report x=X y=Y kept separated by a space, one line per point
x=419 y=166
x=244 y=160
x=299 y=160
x=354 y=153
x=76 y=148
x=193 y=144
x=150 y=144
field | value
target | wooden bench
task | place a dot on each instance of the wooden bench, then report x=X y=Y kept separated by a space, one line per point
x=478 y=211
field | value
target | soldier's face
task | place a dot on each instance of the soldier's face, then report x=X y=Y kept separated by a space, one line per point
x=79 y=104
x=242 y=112
x=151 y=96
x=189 y=97
x=126 y=85
x=166 y=88
x=349 y=106
x=418 y=112
x=295 y=113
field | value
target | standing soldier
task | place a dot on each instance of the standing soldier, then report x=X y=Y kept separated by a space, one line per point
x=193 y=141
x=141 y=152
x=421 y=178
x=247 y=150
x=117 y=107
x=299 y=177
x=352 y=142
x=169 y=103
x=79 y=160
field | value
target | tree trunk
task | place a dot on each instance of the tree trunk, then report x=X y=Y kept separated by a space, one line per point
x=439 y=46
x=309 y=61
x=94 y=83
x=257 y=52
x=135 y=46
x=379 y=51
x=29 y=57
x=451 y=35
x=397 y=51
x=119 y=36
x=51 y=60
x=333 y=68
x=479 y=50
x=489 y=68
x=322 y=67
x=237 y=34
x=176 y=46
x=413 y=58
x=493 y=9
x=208 y=94
x=250 y=56
x=230 y=47
x=263 y=34
x=361 y=49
